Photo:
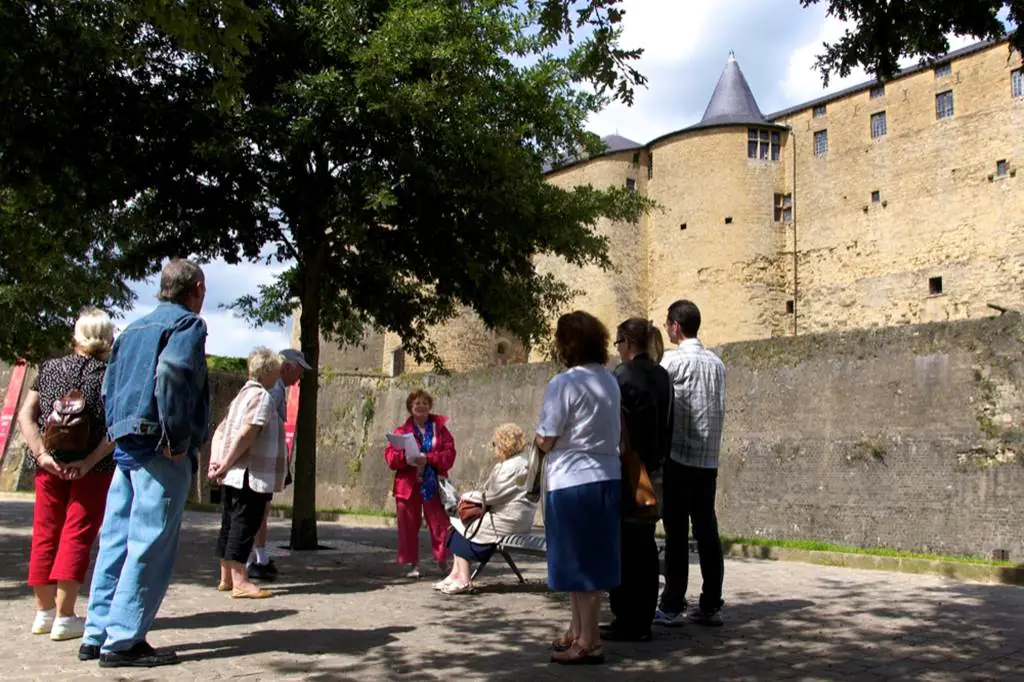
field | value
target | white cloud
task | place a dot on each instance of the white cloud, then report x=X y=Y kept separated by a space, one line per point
x=227 y=333
x=671 y=34
x=802 y=81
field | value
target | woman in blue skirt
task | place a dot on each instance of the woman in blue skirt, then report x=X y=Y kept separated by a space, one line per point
x=579 y=434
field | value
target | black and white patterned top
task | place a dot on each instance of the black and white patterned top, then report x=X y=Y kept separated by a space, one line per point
x=60 y=375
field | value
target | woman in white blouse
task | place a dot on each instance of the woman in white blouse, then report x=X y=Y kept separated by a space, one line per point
x=579 y=432
x=508 y=510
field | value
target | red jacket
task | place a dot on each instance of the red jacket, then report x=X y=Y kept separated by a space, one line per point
x=441 y=457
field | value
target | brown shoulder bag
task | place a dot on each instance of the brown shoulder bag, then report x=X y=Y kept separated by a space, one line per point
x=67 y=432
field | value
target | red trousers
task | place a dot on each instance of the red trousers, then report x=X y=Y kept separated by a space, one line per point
x=410 y=517
x=67 y=518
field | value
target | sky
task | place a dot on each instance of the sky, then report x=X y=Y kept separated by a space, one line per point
x=686 y=45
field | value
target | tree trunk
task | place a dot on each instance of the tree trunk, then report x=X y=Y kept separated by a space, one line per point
x=304 y=498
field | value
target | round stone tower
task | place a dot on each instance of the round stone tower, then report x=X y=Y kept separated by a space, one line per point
x=721 y=183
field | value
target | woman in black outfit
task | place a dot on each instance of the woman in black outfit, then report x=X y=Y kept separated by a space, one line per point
x=647 y=411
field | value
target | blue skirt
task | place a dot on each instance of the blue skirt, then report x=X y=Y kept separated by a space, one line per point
x=581 y=526
x=467 y=549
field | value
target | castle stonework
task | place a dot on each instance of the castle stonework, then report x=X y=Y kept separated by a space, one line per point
x=902 y=201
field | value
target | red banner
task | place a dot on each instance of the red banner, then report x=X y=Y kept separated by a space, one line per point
x=7 y=415
x=291 y=416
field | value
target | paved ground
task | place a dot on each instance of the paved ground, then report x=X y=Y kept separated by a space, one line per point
x=346 y=614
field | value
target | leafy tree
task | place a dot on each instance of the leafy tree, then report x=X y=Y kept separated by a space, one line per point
x=389 y=151
x=101 y=101
x=884 y=33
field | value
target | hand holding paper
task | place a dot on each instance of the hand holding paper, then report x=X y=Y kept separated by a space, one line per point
x=407 y=443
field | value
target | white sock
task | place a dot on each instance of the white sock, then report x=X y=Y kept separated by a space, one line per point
x=48 y=612
x=262 y=557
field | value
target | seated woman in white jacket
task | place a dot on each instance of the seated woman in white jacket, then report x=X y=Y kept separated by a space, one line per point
x=508 y=510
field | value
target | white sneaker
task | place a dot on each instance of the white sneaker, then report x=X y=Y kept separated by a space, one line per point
x=414 y=574
x=43 y=622
x=67 y=627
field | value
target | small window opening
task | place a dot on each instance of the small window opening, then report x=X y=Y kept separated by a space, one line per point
x=728 y=220
x=943 y=70
x=876 y=196
x=636 y=158
x=502 y=348
x=934 y=286
x=682 y=226
x=650 y=165
x=819 y=111
x=877 y=91
x=789 y=307
x=1001 y=168
x=631 y=184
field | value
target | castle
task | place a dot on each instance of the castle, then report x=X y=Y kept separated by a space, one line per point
x=883 y=204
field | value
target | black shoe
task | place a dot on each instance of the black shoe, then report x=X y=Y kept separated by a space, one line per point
x=622 y=635
x=88 y=652
x=699 y=616
x=142 y=655
x=266 y=572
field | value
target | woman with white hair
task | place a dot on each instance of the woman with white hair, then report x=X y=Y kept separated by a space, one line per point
x=64 y=426
x=248 y=460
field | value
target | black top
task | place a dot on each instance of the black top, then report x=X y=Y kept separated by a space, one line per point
x=60 y=375
x=647 y=407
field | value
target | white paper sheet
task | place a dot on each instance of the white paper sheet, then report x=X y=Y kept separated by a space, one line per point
x=407 y=443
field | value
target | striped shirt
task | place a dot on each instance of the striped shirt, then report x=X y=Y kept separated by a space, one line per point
x=698 y=385
x=264 y=461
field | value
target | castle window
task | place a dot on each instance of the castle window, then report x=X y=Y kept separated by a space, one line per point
x=943 y=70
x=636 y=158
x=650 y=165
x=631 y=184
x=1001 y=168
x=821 y=143
x=682 y=226
x=397 y=361
x=728 y=220
x=876 y=196
x=934 y=286
x=1017 y=83
x=789 y=307
x=878 y=125
x=783 y=208
x=819 y=111
x=763 y=144
x=877 y=91
x=944 y=104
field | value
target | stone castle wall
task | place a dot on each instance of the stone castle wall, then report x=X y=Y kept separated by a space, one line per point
x=909 y=437
x=939 y=211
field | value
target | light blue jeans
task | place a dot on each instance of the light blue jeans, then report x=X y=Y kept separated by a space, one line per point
x=138 y=546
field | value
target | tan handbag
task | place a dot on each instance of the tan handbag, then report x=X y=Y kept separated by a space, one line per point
x=639 y=499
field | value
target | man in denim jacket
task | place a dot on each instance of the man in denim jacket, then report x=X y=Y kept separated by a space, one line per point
x=157 y=401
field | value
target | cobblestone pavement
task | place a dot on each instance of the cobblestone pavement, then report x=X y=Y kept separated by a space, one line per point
x=347 y=614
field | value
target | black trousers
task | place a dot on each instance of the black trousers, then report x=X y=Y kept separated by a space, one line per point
x=633 y=602
x=240 y=520
x=690 y=497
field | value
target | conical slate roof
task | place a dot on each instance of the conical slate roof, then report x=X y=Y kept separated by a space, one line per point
x=617 y=143
x=732 y=102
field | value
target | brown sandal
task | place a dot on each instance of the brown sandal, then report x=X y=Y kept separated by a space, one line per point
x=577 y=655
x=563 y=643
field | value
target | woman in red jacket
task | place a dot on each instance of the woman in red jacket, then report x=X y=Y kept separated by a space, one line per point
x=416 y=491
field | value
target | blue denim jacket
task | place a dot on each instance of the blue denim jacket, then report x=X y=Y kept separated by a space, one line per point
x=156 y=382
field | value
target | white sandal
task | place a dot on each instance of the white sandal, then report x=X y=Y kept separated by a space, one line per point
x=455 y=588
x=441 y=584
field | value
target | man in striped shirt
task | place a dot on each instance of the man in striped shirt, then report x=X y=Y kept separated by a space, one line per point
x=691 y=473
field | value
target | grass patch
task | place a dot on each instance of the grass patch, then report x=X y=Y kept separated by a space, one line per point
x=191 y=505
x=822 y=546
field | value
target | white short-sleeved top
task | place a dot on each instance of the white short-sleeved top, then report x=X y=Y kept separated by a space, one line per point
x=581 y=409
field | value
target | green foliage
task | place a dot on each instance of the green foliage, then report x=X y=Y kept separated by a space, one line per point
x=222 y=363
x=886 y=32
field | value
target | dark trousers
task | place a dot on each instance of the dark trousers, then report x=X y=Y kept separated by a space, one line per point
x=241 y=518
x=633 y=602
x=690 y=497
